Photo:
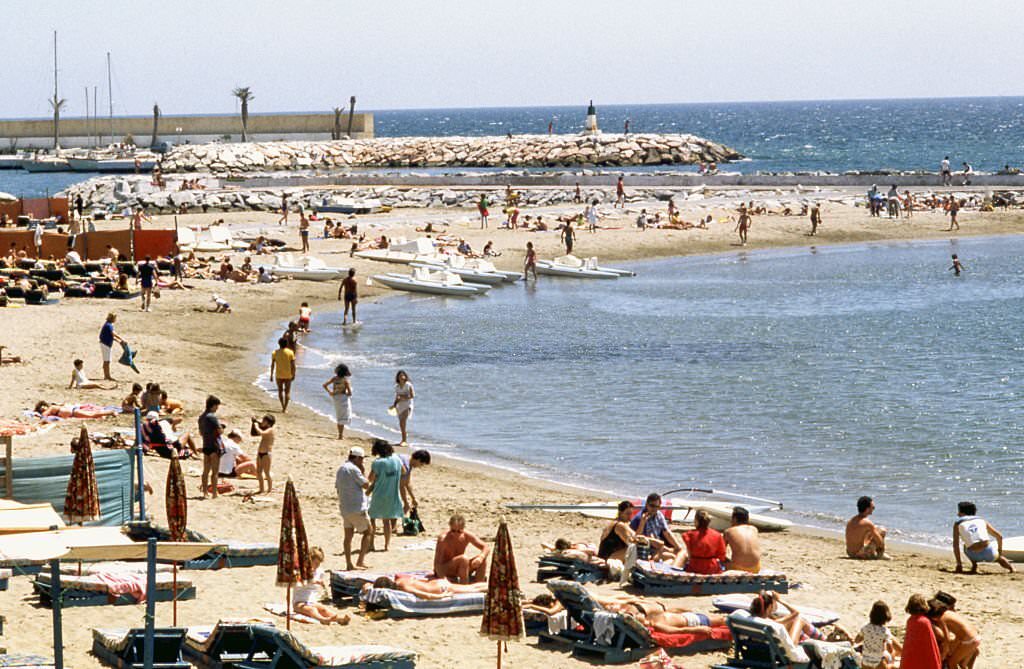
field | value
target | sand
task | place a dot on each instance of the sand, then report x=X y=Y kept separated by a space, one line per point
x=191 y=353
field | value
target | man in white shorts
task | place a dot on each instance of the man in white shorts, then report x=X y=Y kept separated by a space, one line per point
x=107 y=339
x=351 y=485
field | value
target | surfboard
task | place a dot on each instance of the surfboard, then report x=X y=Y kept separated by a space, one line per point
x=1013 y=549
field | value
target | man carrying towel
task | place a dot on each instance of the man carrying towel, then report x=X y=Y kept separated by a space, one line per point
x=107 y=339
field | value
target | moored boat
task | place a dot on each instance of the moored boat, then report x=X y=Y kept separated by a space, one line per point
x=577 y=268
x=431 y=281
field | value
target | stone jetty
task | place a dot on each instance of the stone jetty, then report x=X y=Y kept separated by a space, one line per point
x=603 y=150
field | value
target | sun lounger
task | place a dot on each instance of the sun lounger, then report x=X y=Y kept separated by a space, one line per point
x=569 y=569
x=23 y=661
x=125 y=649
x=227 y=554
x=595 y=633
x=659 y=578
x=399 y=604
x=347 y=586
x=757 y=647
x=5 y=578
x=221 y=646
x=287 y=652
x=741 y=602
x=110 y=588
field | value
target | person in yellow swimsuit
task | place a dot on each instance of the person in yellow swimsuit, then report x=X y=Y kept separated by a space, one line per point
x=282 y=370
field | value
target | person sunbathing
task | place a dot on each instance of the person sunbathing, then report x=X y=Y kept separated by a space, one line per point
x=450 y=559
x=438 y=588
x=575 y=551
x=306 y=596
x=47 y=410
x=682 y=622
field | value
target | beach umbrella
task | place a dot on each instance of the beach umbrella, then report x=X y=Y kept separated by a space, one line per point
x=176 y=504
x=293 y=563
x=503 y=608
x=82 y=501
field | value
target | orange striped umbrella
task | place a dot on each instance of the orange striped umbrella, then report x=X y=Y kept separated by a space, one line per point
x=503 y=608
x=293 y=563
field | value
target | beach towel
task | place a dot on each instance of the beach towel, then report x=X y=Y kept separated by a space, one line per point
x=604 y=627
x=558 y=622
x=124 y=583
x=128 y=357
x=920 y=651
x=400 y=604
x=282 y=610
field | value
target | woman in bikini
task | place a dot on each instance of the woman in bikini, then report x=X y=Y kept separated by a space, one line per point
x=437 y=588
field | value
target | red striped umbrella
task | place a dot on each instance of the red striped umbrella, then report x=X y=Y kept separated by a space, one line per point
x=82 y=501
x=293 y=563
x=176 y=501
x=503 y=608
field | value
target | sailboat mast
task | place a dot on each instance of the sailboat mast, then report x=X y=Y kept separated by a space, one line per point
x=110 y=99
x=86 y=133
x=95 y=115
x=56 y=100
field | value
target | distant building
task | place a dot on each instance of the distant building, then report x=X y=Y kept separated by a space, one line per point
x=196 y=129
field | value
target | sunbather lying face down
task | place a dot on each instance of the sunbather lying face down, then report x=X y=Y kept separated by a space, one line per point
x=438 y=588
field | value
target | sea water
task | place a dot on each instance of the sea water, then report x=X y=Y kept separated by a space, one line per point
x=808 y=375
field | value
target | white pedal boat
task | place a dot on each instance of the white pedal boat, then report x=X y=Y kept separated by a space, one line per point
x=571 y=266
x=305 y=269
x=431 y=281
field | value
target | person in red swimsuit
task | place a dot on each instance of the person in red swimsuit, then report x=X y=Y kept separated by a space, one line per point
x=705 y=547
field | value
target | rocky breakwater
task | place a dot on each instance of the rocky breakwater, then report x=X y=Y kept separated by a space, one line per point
x=517 y=151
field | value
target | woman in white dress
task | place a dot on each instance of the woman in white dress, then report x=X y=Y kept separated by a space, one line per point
x=403 y=404
x=340 y=390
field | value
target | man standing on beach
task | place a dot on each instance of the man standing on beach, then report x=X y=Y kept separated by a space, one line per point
x=107 y=339
x=620 y=193
x=864 y=539
x=743 y=224
x=815 y=218
x=284 y=209
x=349 y=291
x=482 y=207
x=282 y=361
x=304 y=231
x=954 y=208
x=211 y=431
x=744 y=543
x=568 y=235
x=577 y=197
x=351 y=483
x=147 y=279
x=947 y=174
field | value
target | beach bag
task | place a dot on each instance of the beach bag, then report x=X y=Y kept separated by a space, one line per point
x=411 y=524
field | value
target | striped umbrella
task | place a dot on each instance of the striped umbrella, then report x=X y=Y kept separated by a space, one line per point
x=82 y=501
x=176 y=504
x=293 y=563
x=503 y=608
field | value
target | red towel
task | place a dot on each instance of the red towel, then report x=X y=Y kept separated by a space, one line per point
x=125 y=584
x=920 y=651
x=666 y=640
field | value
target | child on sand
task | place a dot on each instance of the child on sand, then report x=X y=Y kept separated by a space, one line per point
x=131 y=402
x=306 y=597
x=305 y=316
x=81 y=381
x=879 y=647
x=956 y=267
x=264 y=429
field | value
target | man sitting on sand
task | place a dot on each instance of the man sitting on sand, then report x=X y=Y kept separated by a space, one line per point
x=744 y=543
x=450 y=559
x=864 y=539
x=424 y=588
x=652 y=524
x=976 y=534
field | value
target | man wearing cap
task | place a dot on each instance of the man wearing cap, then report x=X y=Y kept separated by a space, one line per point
x=351 y=484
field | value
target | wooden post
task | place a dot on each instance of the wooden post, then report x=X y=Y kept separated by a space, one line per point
x=288 y=609
x=7 y=440
x=174 y=593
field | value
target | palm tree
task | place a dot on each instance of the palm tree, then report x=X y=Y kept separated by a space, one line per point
x=156 y=123
x=336 y=130
x=351 y=111
x=244 y=95
x=57 y=104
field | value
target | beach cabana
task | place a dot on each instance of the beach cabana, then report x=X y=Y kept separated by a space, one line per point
x=503 y=608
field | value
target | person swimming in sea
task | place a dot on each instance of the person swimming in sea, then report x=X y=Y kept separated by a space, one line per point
x=956 y=267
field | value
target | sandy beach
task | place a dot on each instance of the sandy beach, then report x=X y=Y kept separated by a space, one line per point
x=192 y=352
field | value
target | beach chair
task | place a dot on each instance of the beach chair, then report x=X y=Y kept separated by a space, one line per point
x=95 y=590
x=598 y=634
x=228 y=553
x=757 y=647
x=398 y=604
x=553 y=566
x=24 y=661
x=221 y=646
x=125 y=649
x=658 y=578
x=287 y=652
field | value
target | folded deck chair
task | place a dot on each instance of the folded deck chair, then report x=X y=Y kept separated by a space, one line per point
x=659 y=578
x=347 y=586
x=24 y=661
x=287 y=652
x=595 y=633
x=228 y=553
x=116 y=588
x=569 y=569
x=125 y=649
x=221 y=646
x=399 y=604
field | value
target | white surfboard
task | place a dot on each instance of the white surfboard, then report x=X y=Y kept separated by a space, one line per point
x=1013 y=549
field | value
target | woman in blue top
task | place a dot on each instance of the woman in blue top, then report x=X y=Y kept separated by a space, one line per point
x=385 y=480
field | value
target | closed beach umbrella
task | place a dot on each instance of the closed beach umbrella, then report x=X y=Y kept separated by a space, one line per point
x=503 y=608
x=176 y=504
x=293 y=563
x=82 y=501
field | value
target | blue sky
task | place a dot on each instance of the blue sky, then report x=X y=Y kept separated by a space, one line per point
x=314 y=54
